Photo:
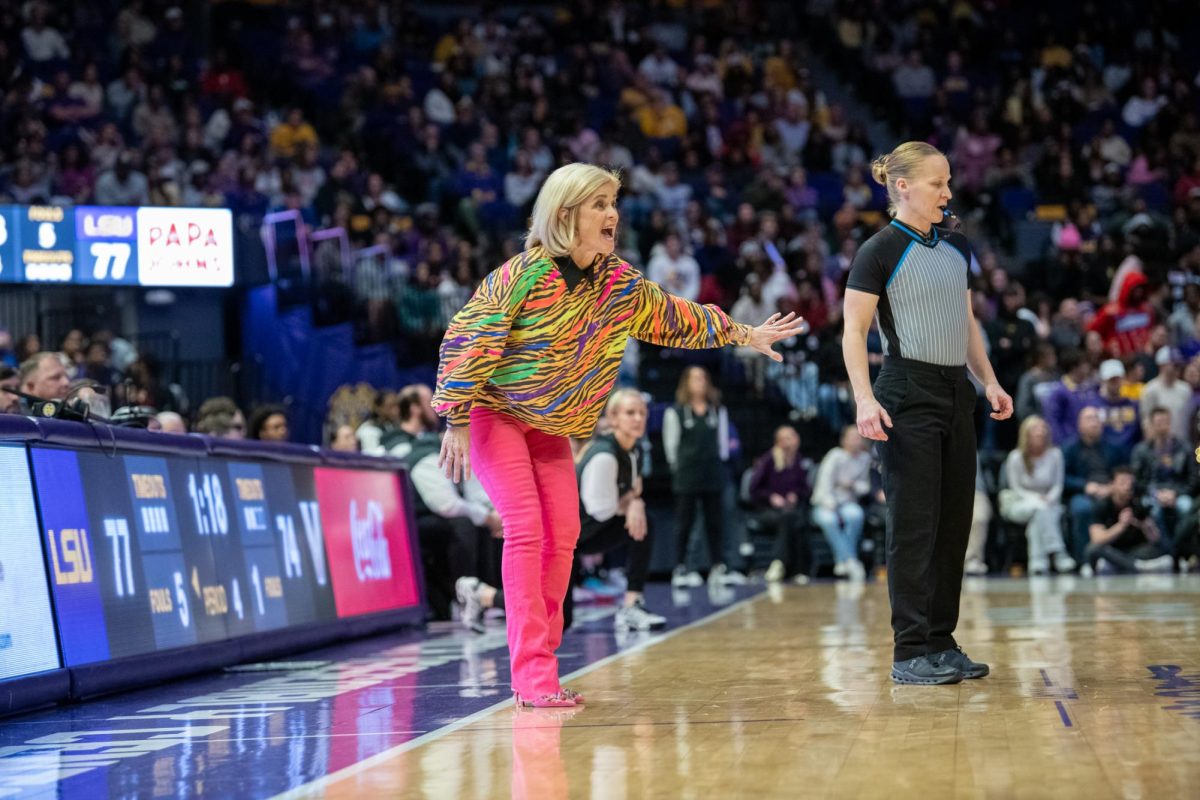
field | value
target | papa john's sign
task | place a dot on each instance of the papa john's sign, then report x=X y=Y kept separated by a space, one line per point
x=185 y=246
x=367 y=535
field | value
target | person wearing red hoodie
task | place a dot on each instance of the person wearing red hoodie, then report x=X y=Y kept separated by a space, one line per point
x=1126 y=323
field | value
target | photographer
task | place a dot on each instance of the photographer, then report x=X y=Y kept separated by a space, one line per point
x=1123 y=534
x=1164 y=470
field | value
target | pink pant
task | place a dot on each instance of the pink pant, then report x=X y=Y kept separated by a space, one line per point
x=530 y=477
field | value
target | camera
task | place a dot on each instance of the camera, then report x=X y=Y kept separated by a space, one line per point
x=1141 y=510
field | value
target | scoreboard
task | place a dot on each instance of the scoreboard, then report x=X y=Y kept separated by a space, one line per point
x=115 y=245
x=153 y=552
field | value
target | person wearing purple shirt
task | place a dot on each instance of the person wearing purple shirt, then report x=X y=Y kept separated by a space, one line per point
x=779 y=493
x=1070 y=395
x=1122 y=423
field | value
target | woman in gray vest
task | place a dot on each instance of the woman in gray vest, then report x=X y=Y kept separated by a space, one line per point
x=696 y=441
x=922 y=406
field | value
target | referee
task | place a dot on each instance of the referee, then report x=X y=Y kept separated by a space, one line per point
x=921 y=409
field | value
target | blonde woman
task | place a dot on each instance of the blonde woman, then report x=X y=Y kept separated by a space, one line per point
x=530 y=362
x=913 y=276
x=1032 y=496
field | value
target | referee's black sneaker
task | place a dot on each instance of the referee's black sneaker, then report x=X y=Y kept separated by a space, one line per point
x=955 y=657
x=924 y=671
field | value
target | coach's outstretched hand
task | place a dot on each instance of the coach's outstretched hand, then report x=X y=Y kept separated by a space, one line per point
x=776 y=329
x=455 y=457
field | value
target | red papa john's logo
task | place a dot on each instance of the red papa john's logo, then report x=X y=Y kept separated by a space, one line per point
x=193 y=235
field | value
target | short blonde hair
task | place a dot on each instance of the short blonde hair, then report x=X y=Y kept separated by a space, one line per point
x=620 y=396
x=566 y=189
x=903 y=162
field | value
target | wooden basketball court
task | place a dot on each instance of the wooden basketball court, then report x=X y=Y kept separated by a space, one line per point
x=1095 y=693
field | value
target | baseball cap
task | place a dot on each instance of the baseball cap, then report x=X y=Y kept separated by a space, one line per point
x=1112 y=368
x=1166 y=355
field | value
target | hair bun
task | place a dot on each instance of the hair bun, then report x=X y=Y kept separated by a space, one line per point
x=879 y=170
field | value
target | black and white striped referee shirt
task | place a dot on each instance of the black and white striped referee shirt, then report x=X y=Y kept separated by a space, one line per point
x=922 y=286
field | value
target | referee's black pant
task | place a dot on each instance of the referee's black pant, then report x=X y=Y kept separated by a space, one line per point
x=929 y=478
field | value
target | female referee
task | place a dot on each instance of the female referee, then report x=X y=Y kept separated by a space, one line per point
x=921 y=409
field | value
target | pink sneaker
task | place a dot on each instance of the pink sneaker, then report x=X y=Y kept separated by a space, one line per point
x=557 y=700
x=572 y=694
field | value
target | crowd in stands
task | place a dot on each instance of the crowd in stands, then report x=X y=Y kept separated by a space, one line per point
x=744 y=185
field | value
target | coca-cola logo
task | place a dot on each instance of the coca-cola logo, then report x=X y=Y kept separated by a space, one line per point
x=372 y=559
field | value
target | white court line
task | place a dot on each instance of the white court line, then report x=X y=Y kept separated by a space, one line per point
x=314 y=788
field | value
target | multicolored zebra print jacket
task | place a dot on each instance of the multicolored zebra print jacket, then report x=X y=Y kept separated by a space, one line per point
x=529 y=346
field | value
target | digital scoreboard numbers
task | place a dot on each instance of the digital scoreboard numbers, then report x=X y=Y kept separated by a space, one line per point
x=258 y=593
x=27 y=641
x=106 y=245
x=47 y=243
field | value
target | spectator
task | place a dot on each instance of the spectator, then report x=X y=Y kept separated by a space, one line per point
x=123 y=185
x=981 y=518
x=1125 y=324
x=268 y=424
x=1122 y=429
x=9 y=379
x=385 y=418
x=675 y=270
x=343 y=439
x=44 y=376
x=1069 y=396
x=1088 y=464
x=292 y=134
x=42 y=42
x=843 y=480
x=170 y=422
x=8 y=356
x=220 y=418
x=1169 y=392
x=1124 y=537
x=454 y=522
x=1164 y=470
x=1032 y=496
x=1036 y=384
x=779 y=492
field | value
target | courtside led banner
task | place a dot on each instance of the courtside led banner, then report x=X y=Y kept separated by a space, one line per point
x=27 y=642
x=149 y=553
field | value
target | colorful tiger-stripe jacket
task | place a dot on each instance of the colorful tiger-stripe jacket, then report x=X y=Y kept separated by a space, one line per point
x=529 y=346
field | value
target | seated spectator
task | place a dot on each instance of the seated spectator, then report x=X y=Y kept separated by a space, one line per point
x=1069 y=396
x=981 y=518
x=1168 y=391
x=843 y=480
x=170 y=422
x=293 y=133
x=453 y=522
x=1088 y=463
x=123 y=185
x=343 y=439
x=1124 y=536
x=779 y=492
x=1122 y=428
x=1125 y=323
x=8 y=356
x=44 y=375
x=1032 y=496
x=415 y=411
x=1164 y=470
x=9 y=379
x=220 y=418
x=385 y=418
x=674 y=269
x=268 y=423
x=1036 y=383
